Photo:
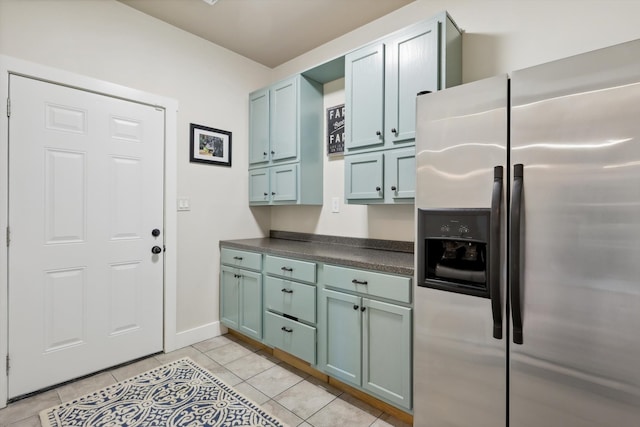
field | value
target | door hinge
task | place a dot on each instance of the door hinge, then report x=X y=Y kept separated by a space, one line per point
x=8 y=107
x=8 y=236
x=7 y=364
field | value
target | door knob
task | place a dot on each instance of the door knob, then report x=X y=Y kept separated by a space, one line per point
x=155 y=232
x=156 y=250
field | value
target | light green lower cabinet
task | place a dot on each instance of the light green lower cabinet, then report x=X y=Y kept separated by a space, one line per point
x=295 y=299
x=367 y=343
x=386 y=351
x=343 y=345
x=293 y=337
x=353 y=324
x=241 y=300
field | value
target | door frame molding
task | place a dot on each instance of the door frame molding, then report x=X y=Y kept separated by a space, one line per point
x=10 y=65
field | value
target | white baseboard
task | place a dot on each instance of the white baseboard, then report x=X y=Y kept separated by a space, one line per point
x=197 y=334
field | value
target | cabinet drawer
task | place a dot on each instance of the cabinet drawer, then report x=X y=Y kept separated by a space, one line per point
x=291 y=336
x=243 y=259
x=291 y=298
x=291 y=268
x=369 y=283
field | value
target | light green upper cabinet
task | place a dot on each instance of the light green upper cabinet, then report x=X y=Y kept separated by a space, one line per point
x=412 y=67
x=364 y=97
x=285 y=143
x=259 y=127
x=284 y=123
x=382 y=81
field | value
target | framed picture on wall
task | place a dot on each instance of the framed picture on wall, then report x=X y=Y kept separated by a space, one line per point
x=209 y=145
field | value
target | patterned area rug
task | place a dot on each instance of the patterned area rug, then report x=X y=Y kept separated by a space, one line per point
x=180 y=393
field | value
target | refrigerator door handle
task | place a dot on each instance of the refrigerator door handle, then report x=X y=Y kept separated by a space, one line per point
x=494 y=267
x=516 y=219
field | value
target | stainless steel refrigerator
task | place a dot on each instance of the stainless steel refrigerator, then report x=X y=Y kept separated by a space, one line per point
x=527 y=287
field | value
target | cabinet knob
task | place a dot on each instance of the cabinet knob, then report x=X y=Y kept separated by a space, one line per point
x=394 y=131
x=393 y=188
x=237 y=258
x=273 y=193
x=355 y=307
x=378 y=133
x=264 y=153
x=377 y=188
x=363 y=308
x=273 y=152
x=266 y=194
x=156 y=250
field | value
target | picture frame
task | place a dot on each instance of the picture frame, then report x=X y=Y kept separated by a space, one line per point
x=209 y=145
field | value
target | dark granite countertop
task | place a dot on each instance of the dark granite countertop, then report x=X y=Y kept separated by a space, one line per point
x=388 y=256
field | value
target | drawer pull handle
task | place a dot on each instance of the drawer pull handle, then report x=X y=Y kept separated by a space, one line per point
x=238 y=258
x=284 y=328
x=237 y=276
x=289 y=269
x=358 y=282
x=287 y=291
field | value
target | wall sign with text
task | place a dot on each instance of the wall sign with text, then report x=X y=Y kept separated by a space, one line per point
x=335 y=130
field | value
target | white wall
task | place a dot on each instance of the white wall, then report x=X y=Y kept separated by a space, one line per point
x=107 y=40
x=500 y=36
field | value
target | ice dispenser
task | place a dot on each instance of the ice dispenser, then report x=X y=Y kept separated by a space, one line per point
x=453 y=250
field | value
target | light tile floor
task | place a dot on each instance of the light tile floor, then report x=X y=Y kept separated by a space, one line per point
x=293 y=396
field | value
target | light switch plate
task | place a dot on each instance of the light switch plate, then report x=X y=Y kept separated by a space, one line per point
x=184 y=204
x=335 y=205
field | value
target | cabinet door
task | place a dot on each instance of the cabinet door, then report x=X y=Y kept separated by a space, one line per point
x=386 y=352
x=259 y=186
x=364 y=97
x=284 y=114
x=284 y=183
x=343 y=330
x=259 y=127
x=400 y=174
x=364 y=176
x=250 y=304
x=412 y=66
x=229 y=297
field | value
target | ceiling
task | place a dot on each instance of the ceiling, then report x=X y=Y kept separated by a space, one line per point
x=270 y=32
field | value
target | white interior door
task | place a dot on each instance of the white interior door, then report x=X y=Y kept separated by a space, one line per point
x=85 y=193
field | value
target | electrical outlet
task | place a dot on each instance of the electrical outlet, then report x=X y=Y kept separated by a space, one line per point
x=335 y=205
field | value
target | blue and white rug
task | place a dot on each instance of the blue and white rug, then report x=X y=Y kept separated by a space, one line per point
x=177 y=394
